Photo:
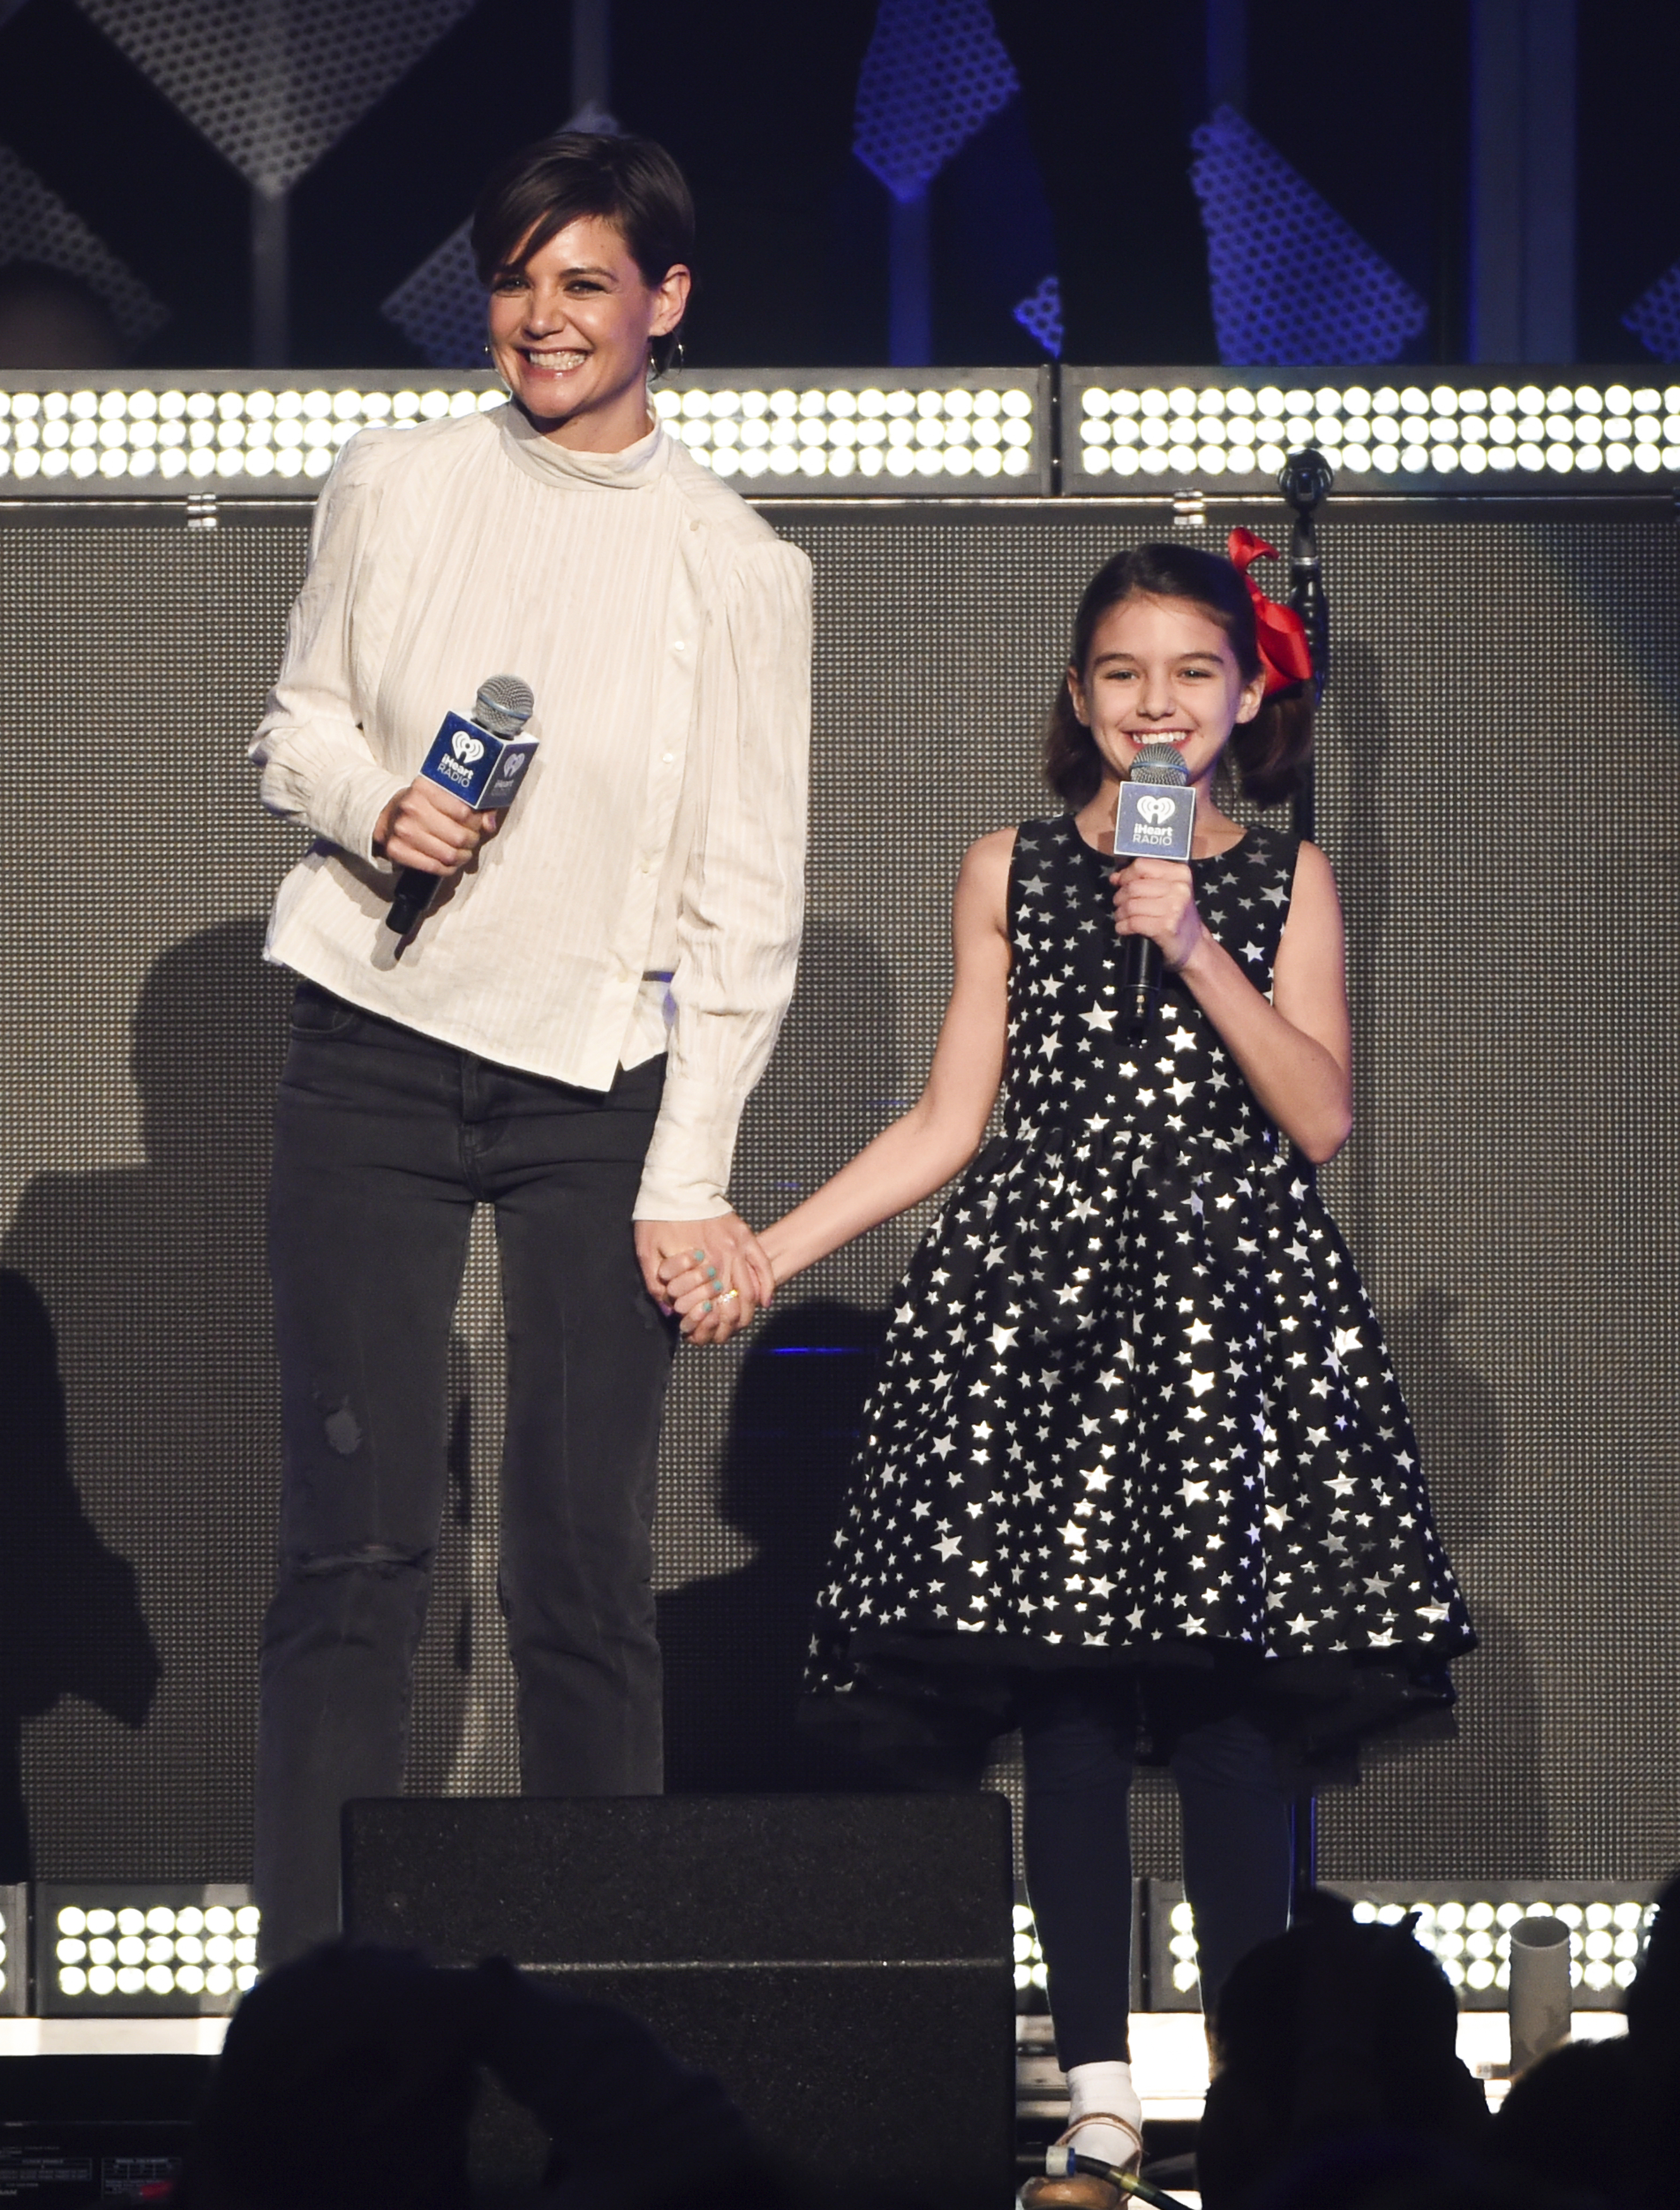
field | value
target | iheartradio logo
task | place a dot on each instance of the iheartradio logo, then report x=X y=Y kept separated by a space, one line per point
x=1158 y=810
x=468 y=749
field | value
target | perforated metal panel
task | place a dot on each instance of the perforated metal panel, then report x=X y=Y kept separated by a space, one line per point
x=1510 y=1190
x=273 y=83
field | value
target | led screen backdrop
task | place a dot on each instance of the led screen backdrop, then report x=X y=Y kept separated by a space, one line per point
x=1497 y=791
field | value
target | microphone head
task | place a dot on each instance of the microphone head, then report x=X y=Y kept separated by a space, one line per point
x=504 y=705
x=1160 y=763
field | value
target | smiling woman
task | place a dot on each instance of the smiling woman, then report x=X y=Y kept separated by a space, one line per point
x=583 y=245
x=569 y=1032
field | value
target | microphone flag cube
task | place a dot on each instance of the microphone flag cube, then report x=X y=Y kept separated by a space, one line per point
x=472 y=764
x=1155 y=821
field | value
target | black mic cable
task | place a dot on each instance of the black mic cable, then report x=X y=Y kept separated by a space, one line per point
x=1062 y=2161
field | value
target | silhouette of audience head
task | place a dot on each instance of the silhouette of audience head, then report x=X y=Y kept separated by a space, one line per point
x=1610 y=2110
x=348 y=2079
x=1333 y=2031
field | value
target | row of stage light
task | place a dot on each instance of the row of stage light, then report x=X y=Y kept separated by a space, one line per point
x=1467 y=1933
x=949 y=433
x=124 y=1949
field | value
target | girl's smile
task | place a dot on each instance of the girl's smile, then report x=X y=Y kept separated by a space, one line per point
x=1161 y=671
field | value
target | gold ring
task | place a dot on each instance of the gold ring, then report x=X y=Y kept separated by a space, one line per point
x=727 y=1295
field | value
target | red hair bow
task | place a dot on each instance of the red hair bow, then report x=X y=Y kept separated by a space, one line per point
x=1284 y=652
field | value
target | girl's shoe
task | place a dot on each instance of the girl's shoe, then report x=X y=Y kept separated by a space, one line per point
x=1083 y=2190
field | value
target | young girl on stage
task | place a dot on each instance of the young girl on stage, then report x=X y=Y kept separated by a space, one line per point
x=1137 y=1476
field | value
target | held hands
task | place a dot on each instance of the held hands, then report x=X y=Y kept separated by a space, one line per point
x=1154 y=899
x=713 y=1274
x=430 y=829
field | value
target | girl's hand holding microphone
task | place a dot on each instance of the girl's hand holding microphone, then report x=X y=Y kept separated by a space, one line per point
x=1154 y=899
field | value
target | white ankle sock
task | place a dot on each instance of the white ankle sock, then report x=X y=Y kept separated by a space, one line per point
x=1104 y=2088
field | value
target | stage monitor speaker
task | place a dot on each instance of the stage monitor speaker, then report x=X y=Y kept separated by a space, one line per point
x=843 y=1964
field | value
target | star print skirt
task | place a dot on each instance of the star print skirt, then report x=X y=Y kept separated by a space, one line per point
x=1135 y=1410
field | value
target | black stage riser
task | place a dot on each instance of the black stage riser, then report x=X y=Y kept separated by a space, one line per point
x=810 y=1953
x=1509 y=1192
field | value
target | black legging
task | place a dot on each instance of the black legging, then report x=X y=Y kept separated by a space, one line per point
x=1077 y=1738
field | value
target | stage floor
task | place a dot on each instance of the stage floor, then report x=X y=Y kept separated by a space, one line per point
x=1168 y=2051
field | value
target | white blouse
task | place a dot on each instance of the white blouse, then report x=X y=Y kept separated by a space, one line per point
x=646 y=891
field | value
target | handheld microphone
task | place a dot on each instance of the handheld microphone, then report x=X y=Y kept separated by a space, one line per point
x=482 y=760
x=1154 y=820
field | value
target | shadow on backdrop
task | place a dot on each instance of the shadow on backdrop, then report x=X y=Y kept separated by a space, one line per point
x=1488 y=1818
x=1486 y=1814
x=735 y=1645
x=71 y=1621
x=155 y=1280
x=736 y=1642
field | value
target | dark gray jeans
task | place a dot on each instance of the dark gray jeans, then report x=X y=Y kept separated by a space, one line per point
x=384 y=1140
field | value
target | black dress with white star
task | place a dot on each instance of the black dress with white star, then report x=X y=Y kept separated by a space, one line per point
x=1135 y=1410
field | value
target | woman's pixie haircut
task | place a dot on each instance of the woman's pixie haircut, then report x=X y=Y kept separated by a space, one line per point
x=630 y=183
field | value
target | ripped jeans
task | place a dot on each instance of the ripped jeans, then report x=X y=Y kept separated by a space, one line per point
x=384 y=1141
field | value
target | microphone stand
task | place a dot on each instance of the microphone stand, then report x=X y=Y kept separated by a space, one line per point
x=1306 y=481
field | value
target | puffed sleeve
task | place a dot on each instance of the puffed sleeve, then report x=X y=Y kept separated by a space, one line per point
x=743 y=898
x=317 y=766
